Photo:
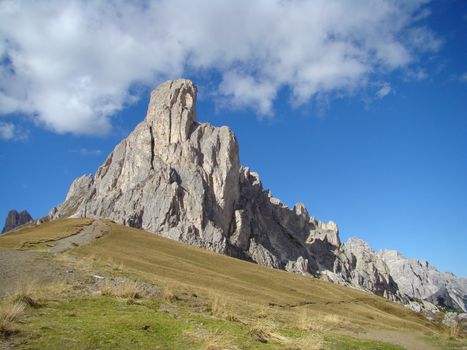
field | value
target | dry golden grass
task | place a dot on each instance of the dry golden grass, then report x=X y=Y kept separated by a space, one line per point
x=39 y=235
x=26 y=292
x=124 y=289
x=308 y=342
x=219 y=307
x=217 y=342
x=32 y=293
x=9 y=314
x=86 y=263
x=247 y=286
x=55 y=289
x=320 y=323
x=168 y=293
x=212 y=340
x=455 y=330
x=159 y=259
x=117 y=267
x=307 y=322
x=263 y=331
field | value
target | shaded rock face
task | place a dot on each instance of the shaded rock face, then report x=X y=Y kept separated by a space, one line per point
x=15 y=219
x=182 y=179
x=419 y=279
x=363 y=267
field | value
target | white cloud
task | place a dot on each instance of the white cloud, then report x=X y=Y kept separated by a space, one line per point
x=463 y=77
x=384 y=90
x=244 y=90
x=417 y=74
x=87 y=152
x=424 y=40
x=70 y=65
x=9 y=131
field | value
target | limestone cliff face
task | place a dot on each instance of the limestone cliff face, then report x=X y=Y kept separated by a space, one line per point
x=182 y=179
x=419 y=279
x=363 y=267
x=171 y=175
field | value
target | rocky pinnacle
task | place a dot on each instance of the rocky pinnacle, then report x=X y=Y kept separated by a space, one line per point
x=182 y=179
x=15 y=219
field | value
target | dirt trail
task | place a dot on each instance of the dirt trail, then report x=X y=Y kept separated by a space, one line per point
x=86 y=235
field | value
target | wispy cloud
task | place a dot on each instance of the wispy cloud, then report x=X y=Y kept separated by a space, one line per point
x=463 y=77
x=11 y=132
x=87 y=152
x=417 y=74
x=384 y=90
x=7 y=131
x=69 y=65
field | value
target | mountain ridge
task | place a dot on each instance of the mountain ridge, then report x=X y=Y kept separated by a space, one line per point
x=183 y=180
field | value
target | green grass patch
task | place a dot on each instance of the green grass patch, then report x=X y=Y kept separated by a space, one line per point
x=349 y=343
x=449 y=343
x=103 y=323
x=107 y=323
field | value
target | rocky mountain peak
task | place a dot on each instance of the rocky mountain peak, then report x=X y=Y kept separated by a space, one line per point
x=182 y=179
x=15 y=219
x=171 y=112
x=171 y=175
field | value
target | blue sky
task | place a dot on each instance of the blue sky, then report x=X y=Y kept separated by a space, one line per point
x=362 y=118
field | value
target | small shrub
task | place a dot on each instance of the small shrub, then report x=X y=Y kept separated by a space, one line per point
x=212 y=340
x=218 y=306
x=26 y=292
x=122 y=289
x=263 y=332
x=8 y=315
x=221 y=309
x=168 y=294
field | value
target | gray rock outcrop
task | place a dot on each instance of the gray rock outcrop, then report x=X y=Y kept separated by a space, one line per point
x=182 y=179
x=15 y=219
x=359 y=265
x=171 y=175
x=418 y=279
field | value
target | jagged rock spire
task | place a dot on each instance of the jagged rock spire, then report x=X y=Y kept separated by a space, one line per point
x=182 y=179
x=15 y=219
x=172 y=111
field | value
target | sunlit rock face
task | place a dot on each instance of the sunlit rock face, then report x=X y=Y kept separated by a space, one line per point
x=419 y=279
x=182 y=179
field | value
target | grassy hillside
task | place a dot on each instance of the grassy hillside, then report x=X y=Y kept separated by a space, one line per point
x=41 y=235
x=204 y=300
